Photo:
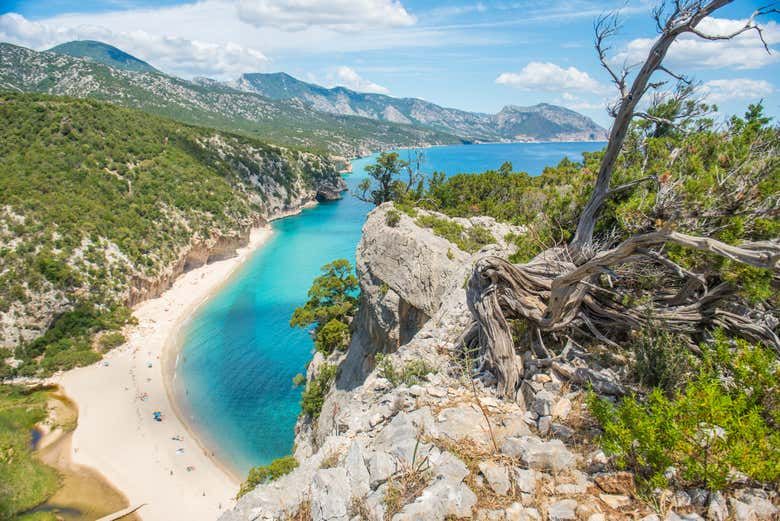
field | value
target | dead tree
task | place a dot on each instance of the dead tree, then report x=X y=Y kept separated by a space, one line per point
x=558 y=290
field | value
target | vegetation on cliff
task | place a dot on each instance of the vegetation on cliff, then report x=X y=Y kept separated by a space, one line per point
x=99 y=201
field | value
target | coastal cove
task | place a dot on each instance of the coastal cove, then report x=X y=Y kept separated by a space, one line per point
x=237 y=353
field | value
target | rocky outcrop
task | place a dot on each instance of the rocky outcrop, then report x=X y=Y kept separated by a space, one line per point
x=434 y=442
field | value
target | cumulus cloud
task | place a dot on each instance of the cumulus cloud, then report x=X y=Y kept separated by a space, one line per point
x=338 y=15
x=169 y=53
x=719 y=91
x=349 y=78
x=689 y=51
x=549 y=77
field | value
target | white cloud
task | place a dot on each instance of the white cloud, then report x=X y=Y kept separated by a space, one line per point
x=347 y=77
x=575 y=102
x=338 y=15
x=691 y=52
x=719 y=91
x=549 y=77
x=169 y=53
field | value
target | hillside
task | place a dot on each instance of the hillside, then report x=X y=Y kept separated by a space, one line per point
x=103 y=53
x=542 y=122
x=103 y=207
x=288 y=122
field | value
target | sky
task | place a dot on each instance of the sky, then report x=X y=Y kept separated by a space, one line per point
x=477 y=56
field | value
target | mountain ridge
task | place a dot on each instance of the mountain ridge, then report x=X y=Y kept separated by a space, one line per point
x=289 y=123
x=540 y=122
x=103 y=53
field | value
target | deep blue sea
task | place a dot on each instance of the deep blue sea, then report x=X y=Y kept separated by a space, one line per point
x=239 y=354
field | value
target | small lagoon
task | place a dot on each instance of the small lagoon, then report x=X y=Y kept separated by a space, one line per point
x=239 y=354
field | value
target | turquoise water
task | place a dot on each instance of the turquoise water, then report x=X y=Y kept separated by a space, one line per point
x=239 y=354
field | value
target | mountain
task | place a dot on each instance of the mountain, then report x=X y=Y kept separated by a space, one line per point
x=208 y=103
x=103 y=53
x=102 y=207
x=542 y=122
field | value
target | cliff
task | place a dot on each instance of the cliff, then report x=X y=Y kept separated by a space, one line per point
x=421 y=435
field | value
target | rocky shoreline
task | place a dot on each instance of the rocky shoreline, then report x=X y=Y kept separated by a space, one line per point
x=444 y=446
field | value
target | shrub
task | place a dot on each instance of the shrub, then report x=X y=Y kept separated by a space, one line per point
x=111 y=340
x=662 y=358
x=333 y=335
x=267 y=473
x=392 y=218
x=467 y=239
x=313 y=396
x=412 y=372
x=704 y=430
x=298 y=380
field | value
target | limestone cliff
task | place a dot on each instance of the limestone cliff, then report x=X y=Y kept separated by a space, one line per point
x=423 y=436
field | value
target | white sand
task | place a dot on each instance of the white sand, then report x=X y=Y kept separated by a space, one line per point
x=116 y=434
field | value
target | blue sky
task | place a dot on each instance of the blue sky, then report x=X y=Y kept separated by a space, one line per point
x=472 y=55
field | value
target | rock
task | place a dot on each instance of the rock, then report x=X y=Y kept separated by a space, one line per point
x=597 y=517
x=699 y=497
x=330 y=495
x=563 y=510
x=651 y=517
x=357 y=473
x=497 y=476
x=561 y=409
x=525 y=480
x=578 y=485
x=458 y=423
x=682 y=499
x=516 y=512
x=562 y=432
x=543 y=402
x=718 y=509
x=748 y=506
x=439 y=500
x=537 y=454
x=544 y=424
x=448 y=466
x=380 y=467
x=615 y=501
x=616 y=483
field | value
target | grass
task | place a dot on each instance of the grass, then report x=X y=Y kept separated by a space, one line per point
x=267 y=473
x=25 y=482
x=467 y=239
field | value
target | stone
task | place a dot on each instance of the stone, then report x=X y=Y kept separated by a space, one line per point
x=759 y=503
x=597 y=517
x=561 y=409
x=699 y=497
x=718 y=509
x=516 y=512
x=439 y=500
x=549 y=455
x=562 y=432
x=682 y=499
x=543 y=402
x=497 y=477
x=525 y=480
x=380 y=467
x=330 y=495
x=544 y=424
x=458 y=423
x=616 y=501
x=651 y=517
x=616 y=483
x=563 y=510
x=357 y=473
x=448 y=466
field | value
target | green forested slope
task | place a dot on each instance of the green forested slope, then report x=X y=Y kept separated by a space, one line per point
x=94 y=197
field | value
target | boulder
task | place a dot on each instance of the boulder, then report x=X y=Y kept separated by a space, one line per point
x=563 y=510
x=497 y=476
x=549 y=455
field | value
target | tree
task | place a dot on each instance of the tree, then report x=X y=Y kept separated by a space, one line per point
x=386 y=173
x=332 y=303
x=575 y=288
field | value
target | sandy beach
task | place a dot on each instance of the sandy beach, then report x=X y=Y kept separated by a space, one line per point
x=116 y=433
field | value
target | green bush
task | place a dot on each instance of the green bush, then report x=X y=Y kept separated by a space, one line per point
x=332 y=302
x=392 y=218
x=111 y=340
x=467 y=239
x=313 y=396
x=333 y=335
x=267 y=473
x=663 y=359
x=412 y=372
x=704 y=430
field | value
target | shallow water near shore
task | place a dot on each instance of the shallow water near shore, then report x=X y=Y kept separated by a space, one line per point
x=233 y=379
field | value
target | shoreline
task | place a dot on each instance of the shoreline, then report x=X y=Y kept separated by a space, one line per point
x=117 y=435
